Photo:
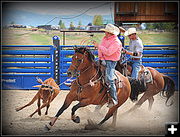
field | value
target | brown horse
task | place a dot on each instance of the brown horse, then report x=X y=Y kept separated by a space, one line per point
x=160 y=83
x=89 y=87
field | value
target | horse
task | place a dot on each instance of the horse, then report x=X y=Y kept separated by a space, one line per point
x=88 y=88
x=48 y=90
x=160 y=83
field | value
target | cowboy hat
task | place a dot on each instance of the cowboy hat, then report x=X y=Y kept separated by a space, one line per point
x=111 y=29
x=122 y=29
x=130 y=31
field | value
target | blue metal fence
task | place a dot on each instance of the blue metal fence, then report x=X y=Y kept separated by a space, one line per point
x=23 y=63
x=164 y=58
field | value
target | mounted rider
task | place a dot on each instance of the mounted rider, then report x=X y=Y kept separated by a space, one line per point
x=135 y=51
x=109 y=52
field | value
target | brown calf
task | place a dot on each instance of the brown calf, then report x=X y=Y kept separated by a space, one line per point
x=48 y=90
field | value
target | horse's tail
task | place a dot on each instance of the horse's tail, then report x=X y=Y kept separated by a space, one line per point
x=169 y=89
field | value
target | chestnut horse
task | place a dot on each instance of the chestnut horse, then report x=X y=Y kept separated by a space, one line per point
x=88 y=88
x=161 y=83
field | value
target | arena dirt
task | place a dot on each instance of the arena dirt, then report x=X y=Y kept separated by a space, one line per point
x=140 y=122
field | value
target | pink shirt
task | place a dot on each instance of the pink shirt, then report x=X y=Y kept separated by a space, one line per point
x=110 y=48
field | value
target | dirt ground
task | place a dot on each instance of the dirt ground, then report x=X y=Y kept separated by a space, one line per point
x=140 y=122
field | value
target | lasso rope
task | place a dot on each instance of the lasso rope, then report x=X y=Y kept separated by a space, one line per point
x=88 y=41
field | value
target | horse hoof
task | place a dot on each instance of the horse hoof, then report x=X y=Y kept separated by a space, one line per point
x=17 y=109
x=91 y=125
x=77 y=119
x=30 y=116
x=47 y=127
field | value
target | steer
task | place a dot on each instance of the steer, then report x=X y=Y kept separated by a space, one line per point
x=48 y=90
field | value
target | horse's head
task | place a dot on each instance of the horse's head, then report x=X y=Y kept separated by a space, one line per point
x=81 y=60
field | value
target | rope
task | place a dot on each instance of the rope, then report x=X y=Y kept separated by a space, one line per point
x=69 y=79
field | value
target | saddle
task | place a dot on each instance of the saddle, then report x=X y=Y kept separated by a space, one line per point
x=117 y=80
x=145 y=75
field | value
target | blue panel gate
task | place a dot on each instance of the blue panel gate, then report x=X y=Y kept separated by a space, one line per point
x=163 y=58
x=21 y=64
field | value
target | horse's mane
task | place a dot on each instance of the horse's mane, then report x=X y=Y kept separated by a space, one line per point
x=82 y=50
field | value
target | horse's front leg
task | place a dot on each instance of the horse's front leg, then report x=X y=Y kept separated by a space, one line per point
x=67 y=102
x=83 y=103
x=114 y=118
x=98 y=107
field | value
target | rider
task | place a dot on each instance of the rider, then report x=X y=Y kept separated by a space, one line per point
x=109 y=52
x=135 y=51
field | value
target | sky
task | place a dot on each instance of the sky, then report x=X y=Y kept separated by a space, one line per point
x=41 y=13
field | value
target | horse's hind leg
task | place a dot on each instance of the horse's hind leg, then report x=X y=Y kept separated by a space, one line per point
x=108 y=115
x=151 y=100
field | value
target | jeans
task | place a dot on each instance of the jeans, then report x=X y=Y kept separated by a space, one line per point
x=110 y=70
x=136 y=66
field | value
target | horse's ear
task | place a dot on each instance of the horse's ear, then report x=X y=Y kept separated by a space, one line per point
x=75 y=47
x=88 y=48
x=38 y=86
x=142 y=67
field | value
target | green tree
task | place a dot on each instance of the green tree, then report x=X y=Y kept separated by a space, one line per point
x=149 y=26
x=98 y=20
x=72 y=27
x=79 y=25
x=168 y=26
x=61 y=24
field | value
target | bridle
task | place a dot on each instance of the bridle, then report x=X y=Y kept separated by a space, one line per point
x=91 y=81
x=80 y=61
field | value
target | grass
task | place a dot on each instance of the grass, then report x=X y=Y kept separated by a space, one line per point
x=162 y=38
x=22 y=37
x=41 y=39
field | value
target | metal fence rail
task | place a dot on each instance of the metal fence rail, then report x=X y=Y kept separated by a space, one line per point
x=23 y=63
x=163 y=58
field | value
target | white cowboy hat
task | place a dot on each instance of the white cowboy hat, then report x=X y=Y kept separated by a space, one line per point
x=122 y=29
x=130 y=31
x=111 y=29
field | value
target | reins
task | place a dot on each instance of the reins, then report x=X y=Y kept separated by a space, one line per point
x=91 y=82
